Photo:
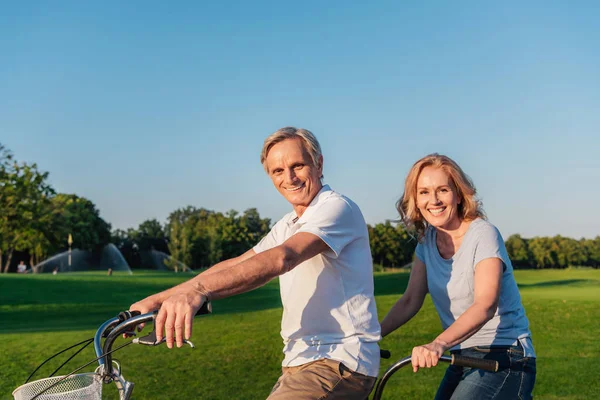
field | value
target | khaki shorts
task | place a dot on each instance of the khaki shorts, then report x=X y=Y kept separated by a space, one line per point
x=321 y=379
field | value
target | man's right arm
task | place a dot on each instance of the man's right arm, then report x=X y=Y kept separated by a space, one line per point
x=154 y=301
x=177 y=310
x=226 y=264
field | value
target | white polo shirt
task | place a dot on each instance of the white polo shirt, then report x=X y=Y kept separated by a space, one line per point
x=328 y=301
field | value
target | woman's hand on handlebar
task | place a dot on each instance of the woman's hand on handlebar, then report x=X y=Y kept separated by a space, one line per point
x=176 y=316
x=427 y=355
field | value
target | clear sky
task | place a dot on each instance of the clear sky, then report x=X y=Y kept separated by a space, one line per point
x=145 y=107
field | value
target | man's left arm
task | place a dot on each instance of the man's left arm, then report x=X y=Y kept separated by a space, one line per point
x=177 y=312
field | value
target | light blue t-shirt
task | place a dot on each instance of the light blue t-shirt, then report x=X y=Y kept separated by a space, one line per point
x=451 y=285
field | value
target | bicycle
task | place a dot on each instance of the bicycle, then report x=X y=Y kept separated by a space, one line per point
x=88 y=386
x=461 y=361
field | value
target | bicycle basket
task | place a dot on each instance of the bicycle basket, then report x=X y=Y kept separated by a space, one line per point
x=80 y=386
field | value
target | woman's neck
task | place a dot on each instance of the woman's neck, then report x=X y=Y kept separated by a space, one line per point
x=448 y=241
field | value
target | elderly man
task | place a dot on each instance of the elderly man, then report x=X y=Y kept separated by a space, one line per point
x=321 y=253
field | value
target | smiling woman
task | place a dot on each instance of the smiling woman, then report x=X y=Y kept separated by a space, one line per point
x=439 y=175
x=462 y=262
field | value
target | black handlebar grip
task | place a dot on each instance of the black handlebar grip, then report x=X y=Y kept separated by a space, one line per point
x=125 y=315
x=205 y=309
x=385 y=354
x=486 y=365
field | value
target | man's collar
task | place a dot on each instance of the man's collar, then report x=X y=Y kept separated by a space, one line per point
x=294 y=219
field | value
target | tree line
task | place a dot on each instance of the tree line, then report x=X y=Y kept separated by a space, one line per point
x=553 y=252
x=193 y=237
x=35 y=222
x=392 y=246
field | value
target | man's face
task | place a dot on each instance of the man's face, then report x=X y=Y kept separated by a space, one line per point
x=292 y=171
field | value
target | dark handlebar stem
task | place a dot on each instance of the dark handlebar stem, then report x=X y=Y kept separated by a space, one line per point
x=462 y=361
x=125 y=326
x=103 y=331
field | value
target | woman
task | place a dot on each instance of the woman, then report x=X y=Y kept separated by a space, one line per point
x=462 y=262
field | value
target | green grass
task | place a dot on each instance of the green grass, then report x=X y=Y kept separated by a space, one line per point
x=238 y=348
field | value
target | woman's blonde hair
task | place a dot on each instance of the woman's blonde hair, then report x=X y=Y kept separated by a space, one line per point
x=469 y=208
x=308 y=139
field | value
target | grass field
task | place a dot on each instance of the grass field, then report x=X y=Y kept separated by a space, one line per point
x=238 y=348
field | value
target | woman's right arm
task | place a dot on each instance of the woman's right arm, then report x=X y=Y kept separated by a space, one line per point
x=410 y=302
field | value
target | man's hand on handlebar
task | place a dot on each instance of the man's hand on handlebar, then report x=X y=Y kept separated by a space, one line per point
x=176 y=316
x=149 y=304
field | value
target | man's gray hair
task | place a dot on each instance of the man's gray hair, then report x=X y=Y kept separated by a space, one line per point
x=309 y=142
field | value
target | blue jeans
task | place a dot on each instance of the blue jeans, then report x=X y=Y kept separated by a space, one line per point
x=514 y=380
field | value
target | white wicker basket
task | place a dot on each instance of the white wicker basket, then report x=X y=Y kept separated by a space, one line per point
x=80 y=386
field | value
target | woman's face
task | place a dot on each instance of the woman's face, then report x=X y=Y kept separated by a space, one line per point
x=437 y=199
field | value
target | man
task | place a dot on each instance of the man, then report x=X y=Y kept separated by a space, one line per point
x=321 y=253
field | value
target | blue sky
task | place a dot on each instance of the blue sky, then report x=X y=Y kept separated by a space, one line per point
x=145 y=107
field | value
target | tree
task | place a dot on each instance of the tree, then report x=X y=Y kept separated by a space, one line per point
x=592 y=249
x=79 y=217
x=518 y=250
x=25 y=211
x=126 y=242
x=240 y=233
x=391 y=244
x=5 y=165
x=254 y=226
x=151 y=236
x=544 y=252
x=179 y=246
x=209 y=237
x=570 y=252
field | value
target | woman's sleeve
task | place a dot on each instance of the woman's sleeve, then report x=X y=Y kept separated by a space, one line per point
x=490 y=245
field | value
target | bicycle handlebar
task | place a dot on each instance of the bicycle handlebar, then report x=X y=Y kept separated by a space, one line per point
x=461 y=361
x=125 y=326
x=126 y=321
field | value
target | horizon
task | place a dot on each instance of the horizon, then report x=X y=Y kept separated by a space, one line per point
x=144 y=109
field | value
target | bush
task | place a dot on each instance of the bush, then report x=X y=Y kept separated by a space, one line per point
x=378 y=268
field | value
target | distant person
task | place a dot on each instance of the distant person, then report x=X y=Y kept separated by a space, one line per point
x=21 y=268
x=320 y=251
x=462 y=262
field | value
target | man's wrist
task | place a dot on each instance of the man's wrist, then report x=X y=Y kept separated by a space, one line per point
x=199 y=288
